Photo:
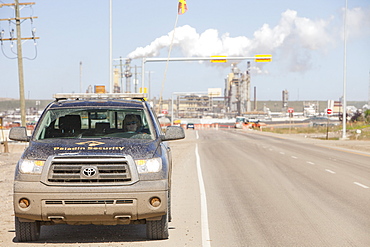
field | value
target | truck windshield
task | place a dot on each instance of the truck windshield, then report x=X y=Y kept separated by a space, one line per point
x=94 y=123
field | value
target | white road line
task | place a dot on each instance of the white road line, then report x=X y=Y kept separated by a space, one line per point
x=361 y=185
x=311 y=163
x=330 y=171
x=294 y=157
x=196 y=134
x=203 y=203
x=281 y=152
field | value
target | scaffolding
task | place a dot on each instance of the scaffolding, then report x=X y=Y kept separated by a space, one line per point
x=192 y=105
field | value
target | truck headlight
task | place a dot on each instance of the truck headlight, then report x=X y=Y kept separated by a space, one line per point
x=149 y=165
x=31 y=166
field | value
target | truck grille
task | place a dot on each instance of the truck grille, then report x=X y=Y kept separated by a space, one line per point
x=89 y=171
x=103 y=202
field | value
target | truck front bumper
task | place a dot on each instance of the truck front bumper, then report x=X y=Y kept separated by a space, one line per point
x=91 y=205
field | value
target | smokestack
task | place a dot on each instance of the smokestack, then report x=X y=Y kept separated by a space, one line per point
x=128 y=75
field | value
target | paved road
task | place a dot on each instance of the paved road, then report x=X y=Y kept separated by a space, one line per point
x=268 y=191
x=245 y=188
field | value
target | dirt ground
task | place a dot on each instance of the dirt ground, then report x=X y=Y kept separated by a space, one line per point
x=7 y=165
x=355 y=145
x=363 y=146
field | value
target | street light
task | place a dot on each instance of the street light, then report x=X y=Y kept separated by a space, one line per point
x=344 y=134
x=110 y=48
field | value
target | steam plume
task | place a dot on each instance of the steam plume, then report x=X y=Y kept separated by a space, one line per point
x=294 y=37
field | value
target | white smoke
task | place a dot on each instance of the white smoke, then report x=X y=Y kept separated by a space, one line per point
x=358 y=22
x=293 y=38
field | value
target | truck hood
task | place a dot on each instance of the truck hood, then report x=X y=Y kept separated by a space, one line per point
x=138 y=149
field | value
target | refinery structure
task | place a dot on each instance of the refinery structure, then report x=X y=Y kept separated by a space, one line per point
x=235 y=99
x=237 y=90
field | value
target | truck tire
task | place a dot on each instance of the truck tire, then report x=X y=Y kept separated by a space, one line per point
x=27 y=231
x=157 y=229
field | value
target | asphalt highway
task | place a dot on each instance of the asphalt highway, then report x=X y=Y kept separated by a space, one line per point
x=268 y=191
x=246 y=188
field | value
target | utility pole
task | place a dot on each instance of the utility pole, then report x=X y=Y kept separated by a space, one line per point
x=121 y=74
x=20 y=65
x=368 y=98
x=19 y=39
x=149 y=89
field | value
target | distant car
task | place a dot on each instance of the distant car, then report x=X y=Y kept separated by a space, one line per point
x=190 y=126
x=318 y=118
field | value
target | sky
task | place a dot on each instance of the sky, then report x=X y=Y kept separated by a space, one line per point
x=305 y=39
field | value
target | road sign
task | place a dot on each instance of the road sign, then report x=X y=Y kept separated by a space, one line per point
x=99 y=89
x=290 y=110
x=329 y=111
x=263 y=58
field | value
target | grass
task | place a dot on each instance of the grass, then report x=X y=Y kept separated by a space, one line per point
x=363 y=127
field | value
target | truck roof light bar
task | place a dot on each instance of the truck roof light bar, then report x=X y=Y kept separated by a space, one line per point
x=81 y=96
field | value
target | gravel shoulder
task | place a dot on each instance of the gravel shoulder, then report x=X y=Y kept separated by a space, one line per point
x=353 y=145
x=7 y=165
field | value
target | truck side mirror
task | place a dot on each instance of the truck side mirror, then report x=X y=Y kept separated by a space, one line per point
x=174 y=133
x=19 y=134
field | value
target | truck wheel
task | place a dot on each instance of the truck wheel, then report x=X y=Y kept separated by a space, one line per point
x=157 y=229
x=27 y=231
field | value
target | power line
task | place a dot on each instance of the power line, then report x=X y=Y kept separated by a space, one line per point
x=19 y=39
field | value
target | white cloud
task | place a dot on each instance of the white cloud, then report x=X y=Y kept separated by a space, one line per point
x=358 y=22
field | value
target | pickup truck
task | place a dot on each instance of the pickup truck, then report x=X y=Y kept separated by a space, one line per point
x=94 y=159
